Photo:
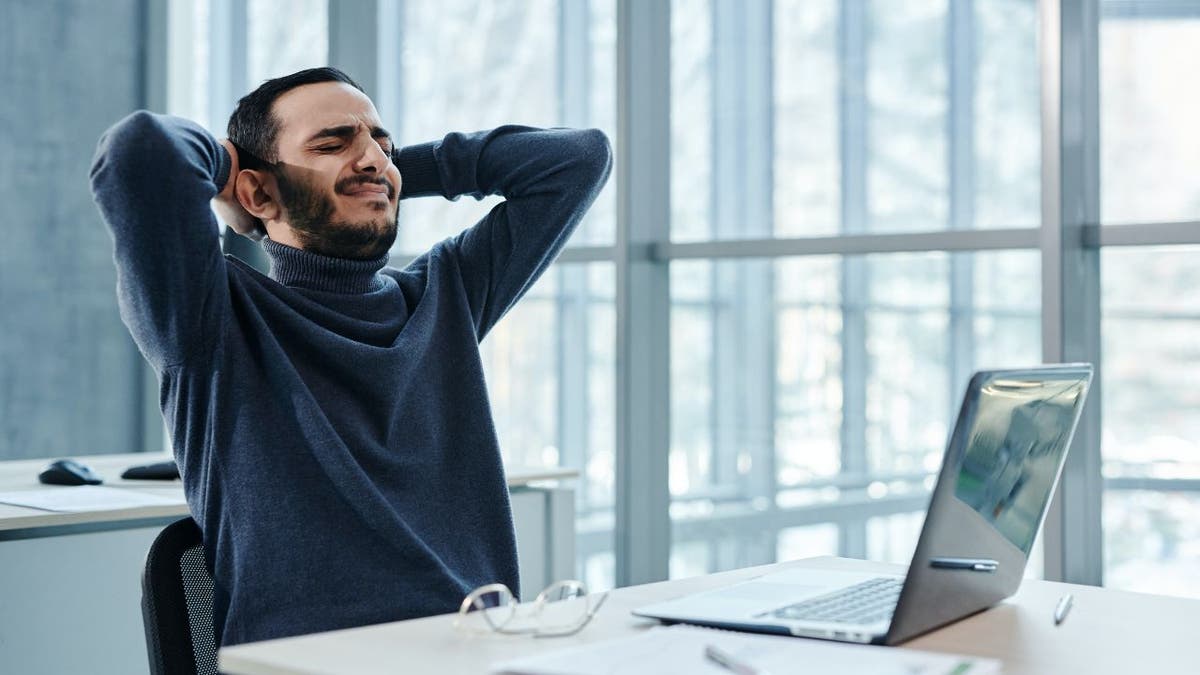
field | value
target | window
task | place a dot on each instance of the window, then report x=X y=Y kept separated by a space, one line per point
x=820 y=389
x=851 y=226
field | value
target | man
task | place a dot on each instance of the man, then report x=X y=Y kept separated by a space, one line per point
x=330 y=420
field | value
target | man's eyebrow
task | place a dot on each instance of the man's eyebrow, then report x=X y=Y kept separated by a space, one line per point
x=346 y=131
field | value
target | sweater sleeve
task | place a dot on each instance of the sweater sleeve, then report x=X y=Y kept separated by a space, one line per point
x=548 y=177
x=153 y=178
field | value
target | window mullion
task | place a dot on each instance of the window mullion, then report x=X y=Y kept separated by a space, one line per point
x=574 y=87
x=643 y=526
x=852 y=46
x=351 y=48
x=961 y=160
x=1071 y=270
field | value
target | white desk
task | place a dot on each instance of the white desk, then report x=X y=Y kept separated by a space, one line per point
x=1106 y=632
x=70 y=583
x=18 y=522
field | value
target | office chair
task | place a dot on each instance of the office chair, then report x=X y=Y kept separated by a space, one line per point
x=177 y=603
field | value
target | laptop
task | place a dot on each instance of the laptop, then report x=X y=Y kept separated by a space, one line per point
x=1000 y=469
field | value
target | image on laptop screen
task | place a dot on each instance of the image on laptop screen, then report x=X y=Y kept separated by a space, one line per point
x=1015 y=442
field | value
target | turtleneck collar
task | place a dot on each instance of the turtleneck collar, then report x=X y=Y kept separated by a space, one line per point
x=296 y=267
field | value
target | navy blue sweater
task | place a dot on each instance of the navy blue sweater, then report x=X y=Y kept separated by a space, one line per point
x=331 y=420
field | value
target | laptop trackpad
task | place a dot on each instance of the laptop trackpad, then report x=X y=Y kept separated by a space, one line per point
x=763 y=594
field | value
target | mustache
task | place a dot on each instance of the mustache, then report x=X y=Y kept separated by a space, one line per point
x=345 y=184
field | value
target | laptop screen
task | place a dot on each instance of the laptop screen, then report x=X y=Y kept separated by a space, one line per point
x=1017 y=436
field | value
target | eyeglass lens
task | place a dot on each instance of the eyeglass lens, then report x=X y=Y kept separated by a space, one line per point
x=562 y=606
x=489 y=609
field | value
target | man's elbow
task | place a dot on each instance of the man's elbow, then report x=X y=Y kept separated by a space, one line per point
x=596 y=153
x=127 y=145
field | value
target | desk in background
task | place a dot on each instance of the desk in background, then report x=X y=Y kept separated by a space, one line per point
x=1107 y=632
x=70 y=583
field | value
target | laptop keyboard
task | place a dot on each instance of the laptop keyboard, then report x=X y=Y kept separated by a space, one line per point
x=871 y=601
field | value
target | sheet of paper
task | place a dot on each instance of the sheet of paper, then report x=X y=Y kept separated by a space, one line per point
x=679 y=650
x=85 y=498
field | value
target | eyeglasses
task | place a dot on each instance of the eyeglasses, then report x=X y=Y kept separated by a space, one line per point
x=562 y=609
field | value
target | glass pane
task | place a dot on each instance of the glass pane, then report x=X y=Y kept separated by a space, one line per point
x=491 y=44
x=550 y=368
x=1006 y=311
x=1152 y=541
x=599 y=226
x=187 y=60
x=691 y=119
x=1150 y=139
x=691 y=378
x=690 y=559
x=796 y=543
x=522 y=377
x=935 y=318
x=808 y=374
x=894 y=538
x=1150 y=320
x=1007 y=115
x=907 y=106
x=284 y=36
x=847 y=117
x=907 y=348
x=599 y=571
x=807 y=191
x=821 y=382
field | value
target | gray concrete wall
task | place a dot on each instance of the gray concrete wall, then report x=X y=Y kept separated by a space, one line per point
x=69 y=373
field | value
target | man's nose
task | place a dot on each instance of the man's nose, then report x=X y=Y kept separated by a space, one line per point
x=371 y=158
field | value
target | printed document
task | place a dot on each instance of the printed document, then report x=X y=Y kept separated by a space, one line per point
x=679 y=650
x=85 y=498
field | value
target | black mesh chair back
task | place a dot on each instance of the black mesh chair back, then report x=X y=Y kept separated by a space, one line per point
x=177 y=603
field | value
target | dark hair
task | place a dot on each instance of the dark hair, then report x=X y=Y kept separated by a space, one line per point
x=253 y=127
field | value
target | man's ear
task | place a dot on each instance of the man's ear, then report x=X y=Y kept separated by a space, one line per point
x=257 y=193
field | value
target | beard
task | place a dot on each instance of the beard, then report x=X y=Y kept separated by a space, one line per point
x=310 y=215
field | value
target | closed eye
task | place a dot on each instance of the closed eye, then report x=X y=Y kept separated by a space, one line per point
x=385 y=146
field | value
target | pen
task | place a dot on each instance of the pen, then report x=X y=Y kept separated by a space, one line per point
x=728 y=662
x=1063 y=608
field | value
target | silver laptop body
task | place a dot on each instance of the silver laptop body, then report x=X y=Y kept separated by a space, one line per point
x=1000 y=468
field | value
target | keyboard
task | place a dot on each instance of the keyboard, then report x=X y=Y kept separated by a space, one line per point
x=869 y=602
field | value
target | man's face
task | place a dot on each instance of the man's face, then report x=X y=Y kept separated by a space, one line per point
x=338 y=187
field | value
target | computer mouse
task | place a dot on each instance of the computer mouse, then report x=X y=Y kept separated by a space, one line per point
x=68 y=472
x=167 y=470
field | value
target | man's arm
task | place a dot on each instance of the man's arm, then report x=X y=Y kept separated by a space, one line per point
x=153 y=178
x=548 y=177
